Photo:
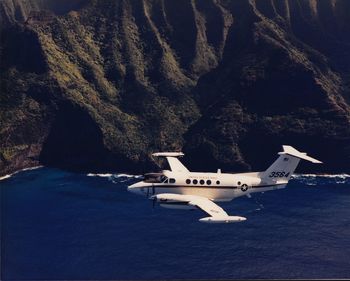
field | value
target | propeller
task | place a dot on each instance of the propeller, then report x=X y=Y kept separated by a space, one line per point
x=153 y=197
x=148 y=192
x=154 y=200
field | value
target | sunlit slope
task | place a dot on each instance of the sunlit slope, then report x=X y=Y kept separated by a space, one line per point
x=98 y=85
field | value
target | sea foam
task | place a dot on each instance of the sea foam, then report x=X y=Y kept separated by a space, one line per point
x=19 y=171
x=312 y=179
x=99 y=175
x=116 y=178
x=343 y=176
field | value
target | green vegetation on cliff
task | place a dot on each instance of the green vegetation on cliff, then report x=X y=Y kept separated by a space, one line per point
x=100 y=85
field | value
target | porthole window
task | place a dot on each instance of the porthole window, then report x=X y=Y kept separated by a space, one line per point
x=188 y=181
x=172 y=180
x=195 y=181
x=217 y=182
x=208 y=182
x=202 y=182
x=239 y=183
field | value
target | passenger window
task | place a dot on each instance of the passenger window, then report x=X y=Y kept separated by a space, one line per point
x=239 y=183
x=208 y=182
x=217 y=182
x=172 y=180
x=195 y=181
x=188 y=181
x=201 y=181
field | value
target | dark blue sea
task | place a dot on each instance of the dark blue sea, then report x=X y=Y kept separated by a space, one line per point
x=60 y=225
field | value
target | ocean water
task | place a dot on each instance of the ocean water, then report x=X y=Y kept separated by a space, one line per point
x=59 y=225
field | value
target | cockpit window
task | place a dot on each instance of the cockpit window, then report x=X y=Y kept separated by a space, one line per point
x=155 y=178
x=164 y=179
x=171 y=180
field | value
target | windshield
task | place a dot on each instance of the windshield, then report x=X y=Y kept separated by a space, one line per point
x=155 y=178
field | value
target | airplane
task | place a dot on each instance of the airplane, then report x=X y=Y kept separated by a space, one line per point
x=179 y=188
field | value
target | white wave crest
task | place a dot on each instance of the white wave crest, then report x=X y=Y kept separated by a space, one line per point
x=341 y=176
x=6 y=177
x=116 y=178
x=113 y=175
x=19 y=171
x=321 y=179
x=127 y=176
x=99 y=175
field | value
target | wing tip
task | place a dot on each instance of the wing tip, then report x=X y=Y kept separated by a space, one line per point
x=168 y=154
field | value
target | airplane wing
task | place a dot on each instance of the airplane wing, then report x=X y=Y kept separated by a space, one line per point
x=215 y=212
x=174 y=163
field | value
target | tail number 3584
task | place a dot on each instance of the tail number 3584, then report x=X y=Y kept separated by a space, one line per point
x=278 y=174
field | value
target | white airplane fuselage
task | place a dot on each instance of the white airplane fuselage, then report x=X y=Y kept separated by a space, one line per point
x=218 y=187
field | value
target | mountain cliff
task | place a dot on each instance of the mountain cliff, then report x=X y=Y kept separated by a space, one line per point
x=99 y=85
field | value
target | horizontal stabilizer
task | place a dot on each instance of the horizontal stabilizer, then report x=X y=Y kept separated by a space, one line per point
x=174 y=163
x=302 y=155
x=168 y=154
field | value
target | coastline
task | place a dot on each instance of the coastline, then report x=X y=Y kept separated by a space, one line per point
x=121 y=174
x=3 y=177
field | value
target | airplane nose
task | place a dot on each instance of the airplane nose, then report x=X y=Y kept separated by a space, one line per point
x=134 y=187
x=139 y=188
x=131 y=188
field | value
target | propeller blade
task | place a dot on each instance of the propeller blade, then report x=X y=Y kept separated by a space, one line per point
x=154 y=201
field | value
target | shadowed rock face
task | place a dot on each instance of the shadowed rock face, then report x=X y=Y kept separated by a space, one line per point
x=99 y=85
x=13 y=11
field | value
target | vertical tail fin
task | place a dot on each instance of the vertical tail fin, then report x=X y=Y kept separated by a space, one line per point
x=286 y=163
